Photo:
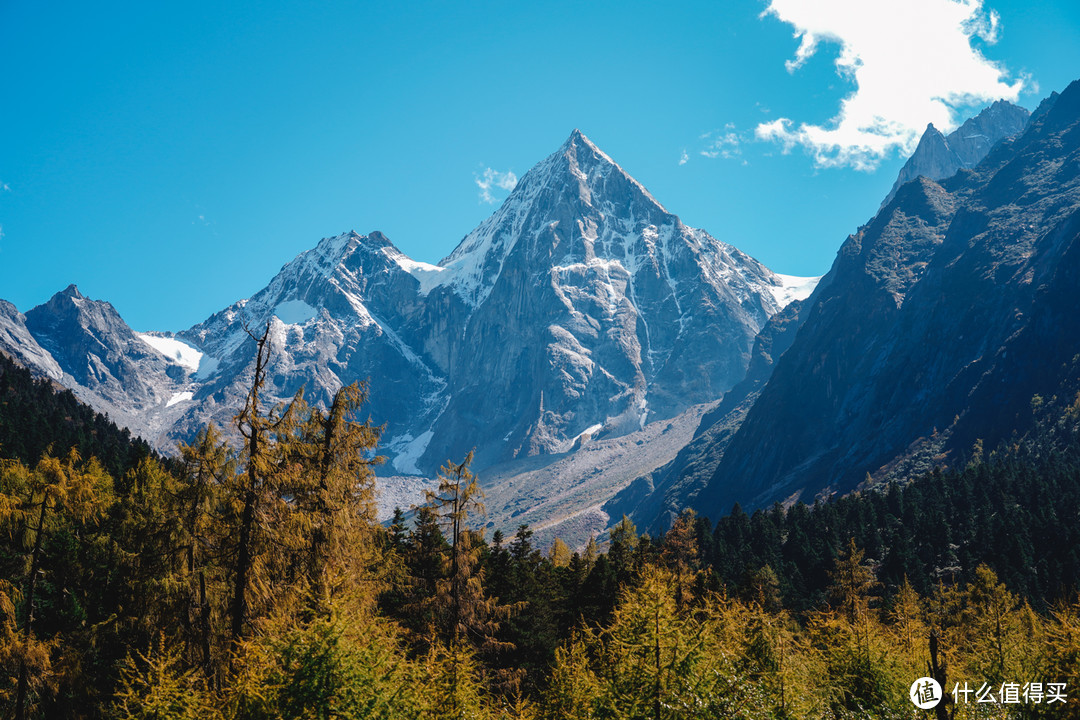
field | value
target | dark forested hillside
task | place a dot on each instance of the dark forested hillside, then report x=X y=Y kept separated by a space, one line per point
x=1018 y=515
x=36 y=415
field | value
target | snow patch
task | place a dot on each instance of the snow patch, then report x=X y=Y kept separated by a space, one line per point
x=590 y=431
x=177 y=351
x=411 y=450
x=207 y=367
x=295 y=312
x=793 y=288
x=355 y=302
x=179 y=398
x=426 y=273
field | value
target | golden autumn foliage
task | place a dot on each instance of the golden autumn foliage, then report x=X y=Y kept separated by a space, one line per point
x=255 y=583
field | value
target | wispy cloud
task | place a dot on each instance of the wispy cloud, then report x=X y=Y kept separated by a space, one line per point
x=491 y=179
x=724 y=143
x=912 y=63
x=683 y=157
x=4 y=187
x=200 y=218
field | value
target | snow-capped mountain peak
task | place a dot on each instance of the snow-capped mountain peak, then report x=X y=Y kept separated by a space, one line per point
x=560 y=209
x=591 y=165
x=581 y=305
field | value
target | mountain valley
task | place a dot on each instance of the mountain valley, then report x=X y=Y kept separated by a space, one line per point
x=600 y=357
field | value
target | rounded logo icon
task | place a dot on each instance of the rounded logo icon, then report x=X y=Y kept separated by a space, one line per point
x=925 y=693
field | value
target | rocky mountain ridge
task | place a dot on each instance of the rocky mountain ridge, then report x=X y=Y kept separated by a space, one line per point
x=583 y=320
x=938 y=157
x=938 y=324
x=580 y=309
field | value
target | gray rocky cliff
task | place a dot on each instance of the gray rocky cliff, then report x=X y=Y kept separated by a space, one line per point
x=938 y=157
x=92 y=343
x=934 y=332
x=607 y=311
x=17 y=341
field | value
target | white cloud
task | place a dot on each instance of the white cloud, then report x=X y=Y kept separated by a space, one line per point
x=683 y=157
x=4 y=187
x=495 y=179
x=911 y=61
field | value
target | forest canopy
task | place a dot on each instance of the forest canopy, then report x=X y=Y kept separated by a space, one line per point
x=251 y=580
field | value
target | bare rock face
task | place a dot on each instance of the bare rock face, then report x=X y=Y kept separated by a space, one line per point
x=16 y=341
x=606 y=311
x=581 y=308
x=96 y=347
x=86 y=346
x=656 y=499
x=942 y=319
x=344 y=311
x=938 y=157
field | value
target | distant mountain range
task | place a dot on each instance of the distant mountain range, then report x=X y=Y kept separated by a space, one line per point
x=601 y=357
x=581 y=309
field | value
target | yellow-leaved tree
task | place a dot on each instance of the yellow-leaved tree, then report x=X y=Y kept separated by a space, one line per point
x=861 y=672
x=58 y=495
x=332 y=488
x=655 y=661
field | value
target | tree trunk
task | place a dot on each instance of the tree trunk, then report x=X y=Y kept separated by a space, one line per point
x=244 y=559
x=31 y=584
x=243 y=562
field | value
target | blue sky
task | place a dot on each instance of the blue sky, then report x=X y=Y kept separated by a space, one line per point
x=170 y=158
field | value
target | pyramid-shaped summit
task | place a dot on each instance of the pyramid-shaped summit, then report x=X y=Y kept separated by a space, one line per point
x=593 y=306
x=579 y=162
x=575 y=205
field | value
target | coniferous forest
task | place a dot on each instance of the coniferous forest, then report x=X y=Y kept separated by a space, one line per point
x=251 y=580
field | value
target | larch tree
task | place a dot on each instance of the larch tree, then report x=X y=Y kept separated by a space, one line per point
x=334 y=497
x=254 y=494
x=992 y=632
x=208 y=463
x=147 y=529
x=1063 y=646
x=909 y=628
x=624 y=542
x=852 y=642
x=559 y=553
x=680 y=552
x=853 y=583
x=33 y=505
x=464 y=610
x=651 y=662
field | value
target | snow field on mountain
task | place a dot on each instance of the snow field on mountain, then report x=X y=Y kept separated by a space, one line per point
x=295 y=312
x=177 y=351
x=179 y=398
x=793 y=288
